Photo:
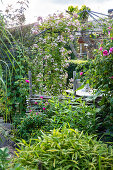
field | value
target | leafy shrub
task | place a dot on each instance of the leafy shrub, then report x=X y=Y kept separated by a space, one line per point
x=30 y=124
x=4 y=158
x=65 y=149
x=100 y=77
x=76 y=113
x=56 y=114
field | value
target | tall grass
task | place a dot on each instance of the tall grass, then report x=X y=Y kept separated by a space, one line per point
x=7 y=60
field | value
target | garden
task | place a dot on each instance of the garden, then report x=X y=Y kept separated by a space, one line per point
x=50 y=128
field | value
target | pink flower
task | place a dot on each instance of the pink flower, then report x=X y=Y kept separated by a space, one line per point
x=36 y=113
x=111 y=77
x=111 y=38
x=81 y=73
x=111 y=50
x=30 y=110
x=109 y=28
x=41 y=97
x=44 y=108
x=105 y=53
x=36 y=103
x=27 y=81
x=101 y=48
x=108 y=32
x=102 y=42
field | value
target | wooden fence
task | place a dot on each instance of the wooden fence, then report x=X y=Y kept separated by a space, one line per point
x=34 y=97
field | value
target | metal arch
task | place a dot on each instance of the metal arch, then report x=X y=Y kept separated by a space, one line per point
x=92 y=14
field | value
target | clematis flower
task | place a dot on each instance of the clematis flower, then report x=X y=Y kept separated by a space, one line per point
x=81 y=73
x=75 y=15
x=40 y=19
x=105 y=53
x=111 y=77
x=41 y=97
x=111 y=50
x=27 y=81
x=44 y=108
x=34 y=32
x=101 y=48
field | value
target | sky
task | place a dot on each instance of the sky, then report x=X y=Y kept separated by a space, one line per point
x=45 y=7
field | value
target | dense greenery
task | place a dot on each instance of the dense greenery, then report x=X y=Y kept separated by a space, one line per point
x=54 y=114
x=57 y=133
x=65 y=148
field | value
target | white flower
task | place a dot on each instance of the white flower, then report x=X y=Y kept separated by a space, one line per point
x=56 y=69
x=52 y=60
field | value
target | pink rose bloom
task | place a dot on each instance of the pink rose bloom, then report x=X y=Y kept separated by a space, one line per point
x=111 y=38
x=111 y=50
x=30 y=110
x=108 y=32
x=44 y=108
x=101 y=48
x=81 y=73
x=41 y=97
x=105 y=53
x=111 y=77
x=109 y=28
x=27 y=81
x=36 y=103
x=102 y=42
x=36 y=113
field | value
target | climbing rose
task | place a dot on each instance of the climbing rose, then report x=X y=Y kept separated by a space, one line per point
x=36 y=113
x=101 y=48
x=44 y=108
x=111 y=77
x=105 y=53
x=41 y=97
x=27 y=81
x=108 y=32
x=109 y=28
x=81 y=73
x=111 y=38
x=111 y=50
x=36 y=103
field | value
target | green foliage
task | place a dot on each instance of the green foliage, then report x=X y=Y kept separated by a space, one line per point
x=101 y=68
x=82 y=12
x=78 y=66
x=76 y=113
x=4 y=158
x=55 y=114
x=30 y=124
x=65 y=148
x=100 y=77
